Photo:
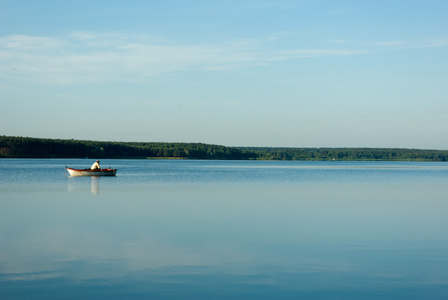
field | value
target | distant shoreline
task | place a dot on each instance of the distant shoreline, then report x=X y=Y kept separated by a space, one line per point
x=26 y=147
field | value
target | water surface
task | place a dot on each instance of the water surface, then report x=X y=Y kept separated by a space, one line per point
x=224 y=230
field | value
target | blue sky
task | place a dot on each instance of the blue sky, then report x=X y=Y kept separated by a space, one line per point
x=235 y=73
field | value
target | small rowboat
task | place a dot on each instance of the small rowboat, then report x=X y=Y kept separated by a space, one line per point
x=88 y=172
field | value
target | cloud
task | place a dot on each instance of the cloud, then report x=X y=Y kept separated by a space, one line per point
x=411 y=44
x=89 y=57
x=294 y=54
x=116 y=57
x=389 y=43
x=25 y=43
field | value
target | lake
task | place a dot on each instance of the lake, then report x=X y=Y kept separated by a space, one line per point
x=193 y=229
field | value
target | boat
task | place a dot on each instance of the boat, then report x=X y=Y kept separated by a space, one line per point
x=89 y=172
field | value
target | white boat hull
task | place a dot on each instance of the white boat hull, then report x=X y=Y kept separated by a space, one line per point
x=88 y=172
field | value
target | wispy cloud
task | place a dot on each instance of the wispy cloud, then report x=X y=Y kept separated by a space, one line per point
x=411 y=44
x=294 y=54
x=388 y=43
x=25 y=43
x=90 y=57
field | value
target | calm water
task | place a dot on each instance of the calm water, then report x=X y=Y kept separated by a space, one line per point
x=224 y=230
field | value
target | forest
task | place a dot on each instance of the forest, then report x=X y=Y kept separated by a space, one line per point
x=27 y=147
x=24 y=147
x=349 y=154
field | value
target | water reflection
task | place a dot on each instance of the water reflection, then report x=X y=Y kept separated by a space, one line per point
x=80 y=184
x=95 y=185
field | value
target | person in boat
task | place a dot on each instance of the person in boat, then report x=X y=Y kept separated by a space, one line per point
x=95 y=166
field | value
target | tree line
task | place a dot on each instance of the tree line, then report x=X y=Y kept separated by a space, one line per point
x=25 y=147
x=348 y=154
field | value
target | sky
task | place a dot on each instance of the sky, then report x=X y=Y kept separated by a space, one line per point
x=273 y=73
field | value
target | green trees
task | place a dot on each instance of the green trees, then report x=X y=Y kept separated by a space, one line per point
x=54 y=148
x=348 y=154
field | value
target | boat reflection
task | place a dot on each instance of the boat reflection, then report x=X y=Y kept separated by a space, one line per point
x=79 y=184
x=95 y=185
